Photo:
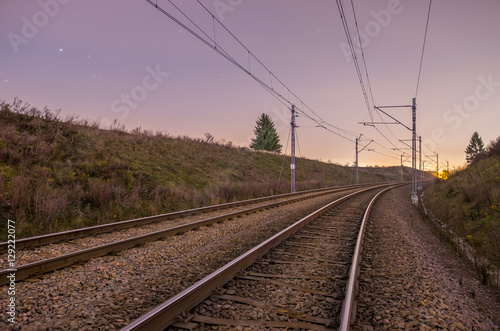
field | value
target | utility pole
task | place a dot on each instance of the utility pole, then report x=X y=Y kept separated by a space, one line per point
x=402 y=167
x=402 y=162
x=414 y=194
x=447 y=168
x=422 y=173
x=357 y=140
x=437 y=164
x=420 y=161
x=292 y=162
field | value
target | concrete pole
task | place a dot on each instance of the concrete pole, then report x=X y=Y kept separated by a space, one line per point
x=420 y=161
x=422 y=172
x=414 y=195
x=357 y=140
x=292 y=161
x=401 y=167
x=437 y=164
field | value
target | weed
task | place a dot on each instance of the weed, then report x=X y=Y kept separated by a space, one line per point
x=61 y=173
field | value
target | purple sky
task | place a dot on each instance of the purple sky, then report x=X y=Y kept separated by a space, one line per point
x=85 y=57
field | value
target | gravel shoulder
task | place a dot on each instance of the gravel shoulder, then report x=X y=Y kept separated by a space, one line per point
x=410 y=279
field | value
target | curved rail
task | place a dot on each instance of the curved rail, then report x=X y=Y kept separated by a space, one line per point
x=348 y=304
x=165 y=314
x=104 y=228
x=65 y=260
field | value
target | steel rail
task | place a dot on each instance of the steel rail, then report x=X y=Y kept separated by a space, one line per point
x=58 y=262
x=347 y=310
x=166 y=313
x=104 y=228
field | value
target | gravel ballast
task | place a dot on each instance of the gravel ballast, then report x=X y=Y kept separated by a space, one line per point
x=411 y=280
x=107 y=293
x=34 y=254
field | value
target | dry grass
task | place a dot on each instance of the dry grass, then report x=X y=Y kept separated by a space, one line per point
x=469 y=202
x=57 y=174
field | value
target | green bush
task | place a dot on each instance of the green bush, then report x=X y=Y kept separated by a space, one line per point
x=469 y=202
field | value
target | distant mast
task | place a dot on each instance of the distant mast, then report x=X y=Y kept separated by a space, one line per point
x=292 y=161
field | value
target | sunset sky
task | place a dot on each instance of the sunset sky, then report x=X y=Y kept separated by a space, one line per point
x=125 y=60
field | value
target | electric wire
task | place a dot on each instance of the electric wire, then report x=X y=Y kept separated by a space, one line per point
x=363 y=57
x=387 y=155
x=353 y=53
x=272 y=75
x=219 y=50
x=212 y=43
x=423 y=47
x=357 y=66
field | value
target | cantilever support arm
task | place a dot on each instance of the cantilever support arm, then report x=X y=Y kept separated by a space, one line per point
x=365 y=146
x=398 y=122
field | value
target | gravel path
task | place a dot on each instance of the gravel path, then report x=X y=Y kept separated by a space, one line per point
x=410 y=280
x=108 y=292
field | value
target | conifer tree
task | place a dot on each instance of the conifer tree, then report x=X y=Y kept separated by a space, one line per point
x=475 y=147
x=266 y=137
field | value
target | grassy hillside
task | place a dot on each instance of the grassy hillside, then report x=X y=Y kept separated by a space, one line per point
x=59 y=174
x=469 y=202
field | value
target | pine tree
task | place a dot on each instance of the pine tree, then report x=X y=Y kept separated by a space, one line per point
x=475 y=147
x=266 y=137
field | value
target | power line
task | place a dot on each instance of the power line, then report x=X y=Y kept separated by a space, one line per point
x=286 y=101
x=387 y=155
x=353 y=54
x=358 y=68
x=212 y=43
x=321 y=124
x=217 y=48
x=423 y=47
x=363 y=57
x=272 y=75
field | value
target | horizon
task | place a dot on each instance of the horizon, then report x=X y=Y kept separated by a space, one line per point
x=52 y=57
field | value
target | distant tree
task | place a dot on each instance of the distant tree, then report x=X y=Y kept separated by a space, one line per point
x=266 y=137
x=475 y=147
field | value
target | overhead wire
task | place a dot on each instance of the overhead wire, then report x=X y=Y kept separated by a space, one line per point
x=423 y=47
x=217 y=48
x=212 y=43
x=368 y=81
x=357 y=66
x=353 y=54
x=363 y=57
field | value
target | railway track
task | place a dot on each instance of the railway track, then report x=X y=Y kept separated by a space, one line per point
x=301 y=278
x=42 y=260
x=109 y=292
x=115 y=226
